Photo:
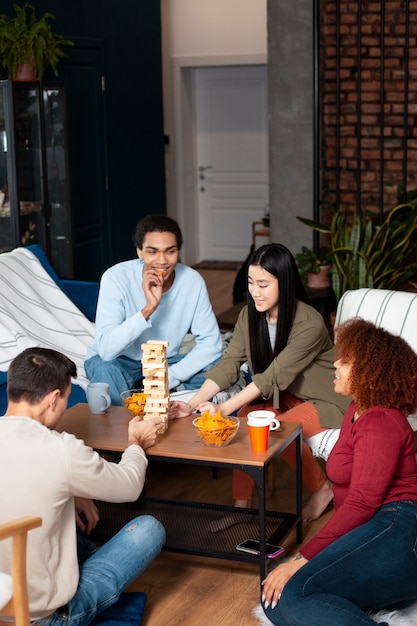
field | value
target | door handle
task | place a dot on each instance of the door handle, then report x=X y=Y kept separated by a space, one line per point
x=202 y=169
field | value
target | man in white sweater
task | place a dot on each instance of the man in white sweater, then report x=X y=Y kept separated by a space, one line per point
x=153 y=297
x=56 y=476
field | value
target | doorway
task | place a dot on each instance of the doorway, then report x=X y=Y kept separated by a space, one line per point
x=220 y=162
x=232 y=158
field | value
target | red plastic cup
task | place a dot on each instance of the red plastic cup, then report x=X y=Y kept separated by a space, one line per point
x=259 y=424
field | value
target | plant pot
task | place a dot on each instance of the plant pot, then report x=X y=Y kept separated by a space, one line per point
x=26 y=71
x=321 y=279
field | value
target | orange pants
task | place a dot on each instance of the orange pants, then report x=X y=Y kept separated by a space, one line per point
x=292 y=410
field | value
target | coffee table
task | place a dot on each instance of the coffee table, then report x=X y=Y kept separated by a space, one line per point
x=186 y=522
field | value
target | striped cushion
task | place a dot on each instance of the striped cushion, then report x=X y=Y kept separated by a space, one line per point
x=396 y=311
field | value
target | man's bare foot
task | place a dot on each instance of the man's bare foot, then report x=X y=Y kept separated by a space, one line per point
x=318 y=502
x=225 y=522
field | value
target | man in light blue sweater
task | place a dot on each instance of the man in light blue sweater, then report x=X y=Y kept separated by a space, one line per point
x=153 y=297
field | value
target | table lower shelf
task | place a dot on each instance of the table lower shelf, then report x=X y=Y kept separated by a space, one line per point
x=187 y=525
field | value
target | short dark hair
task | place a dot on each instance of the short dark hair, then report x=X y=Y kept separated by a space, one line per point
x=35 y=372
x=158 y=224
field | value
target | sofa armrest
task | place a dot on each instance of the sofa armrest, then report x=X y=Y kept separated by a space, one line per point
x=84 y=295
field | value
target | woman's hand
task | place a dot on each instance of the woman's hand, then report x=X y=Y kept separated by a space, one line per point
x=178 y=408
x=208 y=406
x=276 y=580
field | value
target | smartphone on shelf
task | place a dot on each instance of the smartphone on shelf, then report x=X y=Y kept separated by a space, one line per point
x=251 y=546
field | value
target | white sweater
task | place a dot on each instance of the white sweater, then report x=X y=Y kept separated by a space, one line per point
x=40 y=473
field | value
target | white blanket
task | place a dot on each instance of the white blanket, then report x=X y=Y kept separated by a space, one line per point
x=34 y=311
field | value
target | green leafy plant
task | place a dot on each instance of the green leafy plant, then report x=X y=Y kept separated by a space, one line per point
x=25 y=39
x=365 y=254
x=308 y=262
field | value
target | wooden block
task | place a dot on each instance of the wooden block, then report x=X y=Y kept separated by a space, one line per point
x=153 y=361
x=154 y=372
x=156 y=342
x=154 y=353
x=155 y=384
x=156 y=404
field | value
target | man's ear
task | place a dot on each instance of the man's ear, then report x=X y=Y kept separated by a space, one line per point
x=139 y=253
x=54 y=397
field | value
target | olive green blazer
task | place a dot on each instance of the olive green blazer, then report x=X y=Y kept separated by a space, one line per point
x=304 y=367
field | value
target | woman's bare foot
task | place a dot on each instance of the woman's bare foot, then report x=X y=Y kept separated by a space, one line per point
x=318 y=502
x=225 y=522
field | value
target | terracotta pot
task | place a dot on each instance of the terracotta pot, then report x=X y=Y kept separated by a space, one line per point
x=26 y=71
x=321 y=279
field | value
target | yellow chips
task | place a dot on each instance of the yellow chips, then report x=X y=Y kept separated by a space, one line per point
x=135 y=404
x=216 y=430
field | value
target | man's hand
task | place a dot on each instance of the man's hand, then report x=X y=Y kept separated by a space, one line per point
x=86 y=514
x=152 y=283
x=144 y=432
x=275 y=581
x=178 y=408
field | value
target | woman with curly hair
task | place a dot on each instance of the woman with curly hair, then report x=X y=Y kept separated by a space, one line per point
x=364 y=559
x=290 y=355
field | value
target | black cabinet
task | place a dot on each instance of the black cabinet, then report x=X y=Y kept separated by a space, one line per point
x=34 y=179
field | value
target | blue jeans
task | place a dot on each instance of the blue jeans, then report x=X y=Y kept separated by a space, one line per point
x=123 y=373
x=372 y=567
x=108 y=570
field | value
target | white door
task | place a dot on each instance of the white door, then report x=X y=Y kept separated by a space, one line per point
x=232 y=158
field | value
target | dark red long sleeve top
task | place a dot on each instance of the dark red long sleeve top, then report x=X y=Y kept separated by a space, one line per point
x=373 y=463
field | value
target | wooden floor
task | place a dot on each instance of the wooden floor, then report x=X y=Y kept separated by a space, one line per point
x=189 y=590
x=220 y=287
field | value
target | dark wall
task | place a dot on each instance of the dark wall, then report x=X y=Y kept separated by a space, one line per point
x=129 y=32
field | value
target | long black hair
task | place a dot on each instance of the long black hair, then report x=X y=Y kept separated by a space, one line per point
x=278 y=261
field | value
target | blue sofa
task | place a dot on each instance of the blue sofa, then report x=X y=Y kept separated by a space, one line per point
x=84 y=295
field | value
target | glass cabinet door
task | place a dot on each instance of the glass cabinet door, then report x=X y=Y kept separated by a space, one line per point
x=57 y=179
x=6 y=233
x=29 y=166
x=34 y=181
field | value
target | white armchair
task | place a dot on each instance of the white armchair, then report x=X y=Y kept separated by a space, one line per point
x=396 y=311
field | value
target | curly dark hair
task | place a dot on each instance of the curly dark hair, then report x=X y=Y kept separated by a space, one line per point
x=159 y=224
x=384 y=366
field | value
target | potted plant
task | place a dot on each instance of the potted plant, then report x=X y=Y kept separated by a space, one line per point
x=314 y=268
x=367 y=254
x=28 y=43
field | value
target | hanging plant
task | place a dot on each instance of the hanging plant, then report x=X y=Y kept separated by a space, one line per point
x=28 y=41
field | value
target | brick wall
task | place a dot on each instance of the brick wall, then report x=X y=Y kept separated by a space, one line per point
x=368 y=101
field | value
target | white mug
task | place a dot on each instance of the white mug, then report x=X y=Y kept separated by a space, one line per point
x=263 y=417
x=98 y=397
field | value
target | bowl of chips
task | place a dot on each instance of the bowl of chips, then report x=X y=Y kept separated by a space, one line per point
x=134 y=400
x=216 y=430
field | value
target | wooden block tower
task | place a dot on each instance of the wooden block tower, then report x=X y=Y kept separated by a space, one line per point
x=155 y=383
